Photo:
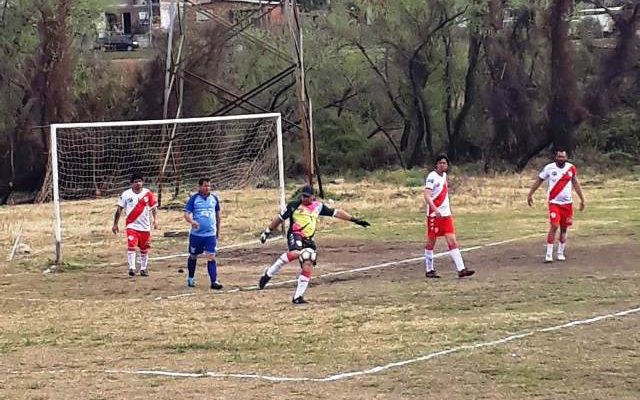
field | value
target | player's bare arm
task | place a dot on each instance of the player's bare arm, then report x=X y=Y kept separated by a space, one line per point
x=189 y=218
x=154 y=212
x=428 y=197
x=576 y=185
x=343 y=215
x=533 y=189
x=116 y=219
x=218 y=223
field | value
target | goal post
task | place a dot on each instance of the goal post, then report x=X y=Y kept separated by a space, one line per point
x=95 y=160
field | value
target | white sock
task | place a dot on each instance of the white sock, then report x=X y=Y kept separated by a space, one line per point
x=144 y=261
x=279 y=263
x=457 y=258
x=549 y=249
x=428 y=260
x=561 y=248
x=131 y=259
x=303 y=282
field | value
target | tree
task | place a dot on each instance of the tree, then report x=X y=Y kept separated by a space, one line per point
x=37 y=79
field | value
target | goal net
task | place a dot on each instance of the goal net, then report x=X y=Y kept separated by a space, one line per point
x=94 y=161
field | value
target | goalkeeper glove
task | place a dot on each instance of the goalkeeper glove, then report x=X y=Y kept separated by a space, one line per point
x=264 y=235
x=360 y=222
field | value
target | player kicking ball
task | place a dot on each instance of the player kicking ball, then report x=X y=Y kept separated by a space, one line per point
x=440 y=219
x=562 y=177
x=303 y=214
x=137 y=202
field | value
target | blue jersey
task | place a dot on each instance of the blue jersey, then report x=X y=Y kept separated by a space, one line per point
x=204 y=211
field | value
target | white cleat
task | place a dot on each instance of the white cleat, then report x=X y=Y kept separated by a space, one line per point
x=560 y=257
x=548 y=258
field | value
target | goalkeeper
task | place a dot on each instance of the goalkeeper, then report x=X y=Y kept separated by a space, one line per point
x=303 y=215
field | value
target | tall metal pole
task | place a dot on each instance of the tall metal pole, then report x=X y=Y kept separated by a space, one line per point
x=150 y=17
x=291 y=12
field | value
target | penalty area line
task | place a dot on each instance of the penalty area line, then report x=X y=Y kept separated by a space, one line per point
x=380 y=368
x=354 y=270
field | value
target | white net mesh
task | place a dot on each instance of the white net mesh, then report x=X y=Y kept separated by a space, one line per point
x=97 y=161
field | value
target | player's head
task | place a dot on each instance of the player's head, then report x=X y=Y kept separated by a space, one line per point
x=560 y=157
x=441 y=163
x=307 y=194
x=136 y=181
x=204 y=186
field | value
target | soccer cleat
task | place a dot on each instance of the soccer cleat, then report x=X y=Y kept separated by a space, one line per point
x=191 y=282
x=465 y=272
x=432 y=274
x=144 y=272
x=299 y=300
x=264 y=279
x=548 y=258
x=132 y=272
x=560 y=257
x=216 y=286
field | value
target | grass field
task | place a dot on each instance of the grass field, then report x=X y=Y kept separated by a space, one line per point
x=85 y=331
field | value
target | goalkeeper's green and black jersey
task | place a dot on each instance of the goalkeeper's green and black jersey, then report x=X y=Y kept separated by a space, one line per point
x=304 y=218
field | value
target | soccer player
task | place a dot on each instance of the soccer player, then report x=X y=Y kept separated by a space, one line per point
x=202 y=212
x=440 y=220
x=303 y=215
x=137 y=202
x=562 y=177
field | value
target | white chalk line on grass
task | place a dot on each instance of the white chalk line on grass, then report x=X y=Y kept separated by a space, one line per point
x=286 y=282
x=184 y=255
x=354 y=270
x=379 y=368
x=350 y=374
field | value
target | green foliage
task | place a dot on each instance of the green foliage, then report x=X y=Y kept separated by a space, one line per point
x=618 y=135
x=342 y=146
x=410 y=178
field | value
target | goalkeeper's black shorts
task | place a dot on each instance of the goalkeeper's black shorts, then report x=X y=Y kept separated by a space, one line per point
x=295 y=241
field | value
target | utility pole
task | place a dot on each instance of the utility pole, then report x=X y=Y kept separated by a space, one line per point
x=150 y=19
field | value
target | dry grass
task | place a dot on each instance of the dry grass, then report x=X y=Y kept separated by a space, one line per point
x=101 y=319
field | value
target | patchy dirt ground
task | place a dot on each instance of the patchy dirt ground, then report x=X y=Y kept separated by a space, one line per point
x=60 y=332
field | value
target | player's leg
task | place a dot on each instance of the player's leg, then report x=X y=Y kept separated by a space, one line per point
x=294 y=244
x=305 y=273
x=455 y=254
x=566 y=220
x=562 y=241
x=303 y=282
x=212 y=265
x=554 y=223
x=144 y=243
x=430 y=270
x=132 y=244
x=196 y=247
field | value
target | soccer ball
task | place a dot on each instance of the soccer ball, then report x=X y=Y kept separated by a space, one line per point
x=307 y=255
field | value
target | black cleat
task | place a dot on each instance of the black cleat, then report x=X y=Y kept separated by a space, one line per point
x=144 y=272
x=264 y=279
x=300 y=300
x=132 y=272
x=216 y=286
x=465 y=272
x=432 y=274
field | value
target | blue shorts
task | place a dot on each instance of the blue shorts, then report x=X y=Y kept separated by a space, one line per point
x=200 y=244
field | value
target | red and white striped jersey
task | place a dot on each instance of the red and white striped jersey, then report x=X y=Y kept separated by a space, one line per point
x=560 y=182
x=137 y=207
x=439 y=193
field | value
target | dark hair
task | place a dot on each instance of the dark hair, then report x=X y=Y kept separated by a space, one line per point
x=201 y=181
x=441 y=157
x=135 y=176
x=558 y=150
